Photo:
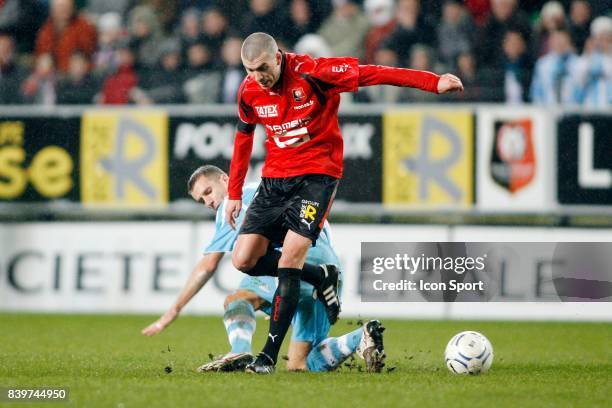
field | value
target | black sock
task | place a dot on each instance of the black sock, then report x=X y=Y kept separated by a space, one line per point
x=267 y=265
x=284 y=305
x=312 y=274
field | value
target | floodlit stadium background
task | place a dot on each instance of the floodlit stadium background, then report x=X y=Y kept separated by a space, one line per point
x=99 y=132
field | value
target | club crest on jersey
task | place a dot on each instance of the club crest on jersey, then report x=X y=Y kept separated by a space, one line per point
x=267 y=111
x=298 y=94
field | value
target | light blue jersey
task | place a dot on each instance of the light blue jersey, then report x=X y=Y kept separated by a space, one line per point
x=310 y=323
x=552 y=80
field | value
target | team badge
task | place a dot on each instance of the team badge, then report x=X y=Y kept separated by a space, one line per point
x=513 y=159
x=298 y=94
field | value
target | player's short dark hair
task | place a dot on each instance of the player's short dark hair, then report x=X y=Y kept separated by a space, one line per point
x=206 y=170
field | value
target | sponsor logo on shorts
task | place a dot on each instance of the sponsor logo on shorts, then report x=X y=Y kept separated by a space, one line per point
x=308 y=212
x=267 y=111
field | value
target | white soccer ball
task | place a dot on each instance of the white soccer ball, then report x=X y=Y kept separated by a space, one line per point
x=468 y=352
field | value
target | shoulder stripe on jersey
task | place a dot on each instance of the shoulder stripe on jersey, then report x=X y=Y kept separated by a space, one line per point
x=244 y=127
x=316 y=88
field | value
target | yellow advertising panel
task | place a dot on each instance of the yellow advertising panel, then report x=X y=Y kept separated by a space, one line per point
x=124 y=158
x=428 y=158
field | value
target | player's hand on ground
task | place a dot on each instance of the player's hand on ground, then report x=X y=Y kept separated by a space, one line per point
x=449 y=83
x=232 y=211
x=160 y=324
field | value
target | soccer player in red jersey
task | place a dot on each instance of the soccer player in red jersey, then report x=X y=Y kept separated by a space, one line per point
x=296 y=98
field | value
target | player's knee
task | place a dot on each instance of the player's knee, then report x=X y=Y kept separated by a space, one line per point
x=242 y=261
x=229 y=299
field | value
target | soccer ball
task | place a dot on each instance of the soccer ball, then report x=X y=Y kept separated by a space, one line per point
x=468 y=352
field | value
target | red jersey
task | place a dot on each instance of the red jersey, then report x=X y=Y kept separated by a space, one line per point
x=300 y=114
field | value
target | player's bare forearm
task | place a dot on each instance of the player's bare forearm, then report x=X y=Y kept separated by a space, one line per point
x=200 y=275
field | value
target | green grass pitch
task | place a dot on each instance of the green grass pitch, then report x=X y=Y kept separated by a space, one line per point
x=107 y=363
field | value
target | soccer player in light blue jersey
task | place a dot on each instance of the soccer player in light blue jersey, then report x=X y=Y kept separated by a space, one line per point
x=310 y=348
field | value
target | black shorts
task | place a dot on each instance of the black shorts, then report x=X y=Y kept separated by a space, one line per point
x=299 y=204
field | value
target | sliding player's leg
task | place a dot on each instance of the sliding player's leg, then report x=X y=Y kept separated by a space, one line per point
x=311 y=348
x=253 y=293
x=366 y=341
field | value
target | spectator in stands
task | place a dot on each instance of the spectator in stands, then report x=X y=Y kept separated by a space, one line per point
x=479 y=10
x=165 y=11
x=313 y=45
x=39 y=87
x=552 y=83
x=580 y=21
x=381 y=16
x=189 y=30
x=233 y=71
x=20 y=18
x=505 y=15
x=552 y=18
x=145 y=35
x=78 y=87
x=300 y=16
x=215 y=29
x=478 y=86
x=345 y=29
x=518 y=67
x=264 y=15
x=382 y=93
x=202 y=77
x=413 y=27
x=184 y=5
x=11 y=73
x=593 y=70
x=96 y=8
x=110 y=31
x=163 y=84
x=456 y=32
x=64 y=33
x=421 y=58
x=118 y=86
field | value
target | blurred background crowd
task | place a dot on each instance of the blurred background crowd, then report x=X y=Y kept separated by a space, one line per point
x=188 y=51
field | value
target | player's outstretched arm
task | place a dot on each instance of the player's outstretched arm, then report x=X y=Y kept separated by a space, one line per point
x=411 y=78
x=201 y=273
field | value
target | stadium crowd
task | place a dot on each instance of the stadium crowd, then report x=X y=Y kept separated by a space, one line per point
x=188 y=51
